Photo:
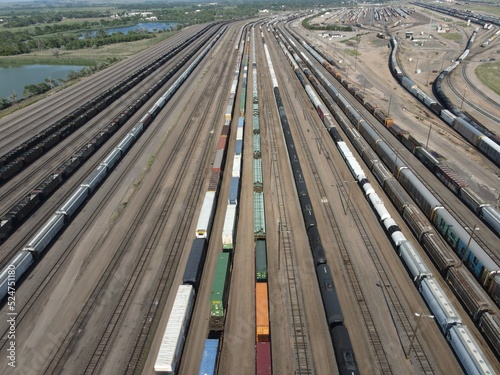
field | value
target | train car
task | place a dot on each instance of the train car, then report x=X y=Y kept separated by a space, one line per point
x=74 y=202
x=316 y=246
x=229 y=229
x=204 y=224
x=172 y=344
x=344 y=353
x=444 y=313
x=420 y=194
x=45 y=235
x=331 y=304
x=208 y=364
x=263 y=362
x=468 y=352
x=13 y=271
x=259 y=217
x=234 y=190
x=437 y=249
x=260 y=261
x=490 y=326
x=414 y=262
x=473 y=256
x=195 y=263
x=220 y=292
x=491 y=217
x=469 y=292
x=95 y=178
x=262 y=332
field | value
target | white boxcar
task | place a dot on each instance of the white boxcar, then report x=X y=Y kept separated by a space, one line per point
x=239 y=134
x=415 y=264
x=447 y=116
x=229 y=227
x=14 y=270
x=468 y=352
x=172 y=343
x=206 y=215
x=45 y=234
x=491 y=216
x=236 y=166
x=75 y=201
x=95 y=177
x=443 y=311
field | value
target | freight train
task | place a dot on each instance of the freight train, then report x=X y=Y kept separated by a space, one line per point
x=474 y=257
x=479 y=306
x=441 y=170
x=477 y=135
x=22 y=209
x=54 y=226
x=341 y=342
x=21 y=156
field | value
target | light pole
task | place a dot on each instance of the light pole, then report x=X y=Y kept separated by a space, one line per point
x=468 y=242
x=463 y=97
x=348 y=195
x=279 y=245
x=415 y=330
x=389 y=109
x=428 y=136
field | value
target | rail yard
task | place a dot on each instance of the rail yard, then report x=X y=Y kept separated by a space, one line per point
x=237 y=199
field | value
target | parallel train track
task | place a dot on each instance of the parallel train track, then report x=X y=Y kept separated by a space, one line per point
x=401 y=317
x=295 y=300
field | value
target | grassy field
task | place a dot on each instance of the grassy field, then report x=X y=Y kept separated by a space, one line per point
x=452 y=36
x=86 y=57
x=489 y=75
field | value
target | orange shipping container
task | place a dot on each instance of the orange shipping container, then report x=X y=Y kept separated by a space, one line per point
x=261 y=313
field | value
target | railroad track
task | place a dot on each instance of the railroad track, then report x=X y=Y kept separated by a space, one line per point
x=86 y=91
x=471 y=103
x=404 y=323
x=43 y=285
x=162 y=286
x=74 y=142
x=301 y=343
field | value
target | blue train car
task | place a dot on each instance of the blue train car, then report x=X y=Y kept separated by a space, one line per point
x=209 y=360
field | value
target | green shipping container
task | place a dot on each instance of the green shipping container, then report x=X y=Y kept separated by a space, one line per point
x=260 y=260
x=259 y=219
x=220 y=286
x=256 y=146
x=257 y=175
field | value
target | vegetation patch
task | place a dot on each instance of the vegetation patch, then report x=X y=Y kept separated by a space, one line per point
x=306 y=24
x=452 y=36
x=489 y=75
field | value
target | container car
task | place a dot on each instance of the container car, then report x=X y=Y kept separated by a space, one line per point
x=263 y=362
x=208 y=364
x=172 y=344
x=262 y=333
x=195 y=263
x=220 y=292
x=260 y=260
x=229 y=229
x=204 y=224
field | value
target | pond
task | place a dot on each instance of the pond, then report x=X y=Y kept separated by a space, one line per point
x=14 y=78
x=149 y=27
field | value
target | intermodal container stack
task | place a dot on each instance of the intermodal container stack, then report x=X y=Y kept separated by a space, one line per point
x=209 y=359
x=263 y=361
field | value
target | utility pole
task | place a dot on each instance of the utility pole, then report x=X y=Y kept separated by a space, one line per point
x=468 y=243
x=428 y=136
x=463 y=97
x=415 y=331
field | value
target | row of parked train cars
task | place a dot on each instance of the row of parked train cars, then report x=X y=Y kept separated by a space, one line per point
x=342 y=347
x=27 y=152
x=486 y=141
x=42 y=142
x=483 y=312
x=36 y=246
x=487 y=213
x=172 y=345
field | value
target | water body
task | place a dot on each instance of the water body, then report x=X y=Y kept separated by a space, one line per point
x=14 y=78
x=149 y=27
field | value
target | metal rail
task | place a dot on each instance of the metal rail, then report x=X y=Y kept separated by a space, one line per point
x=303 y=358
